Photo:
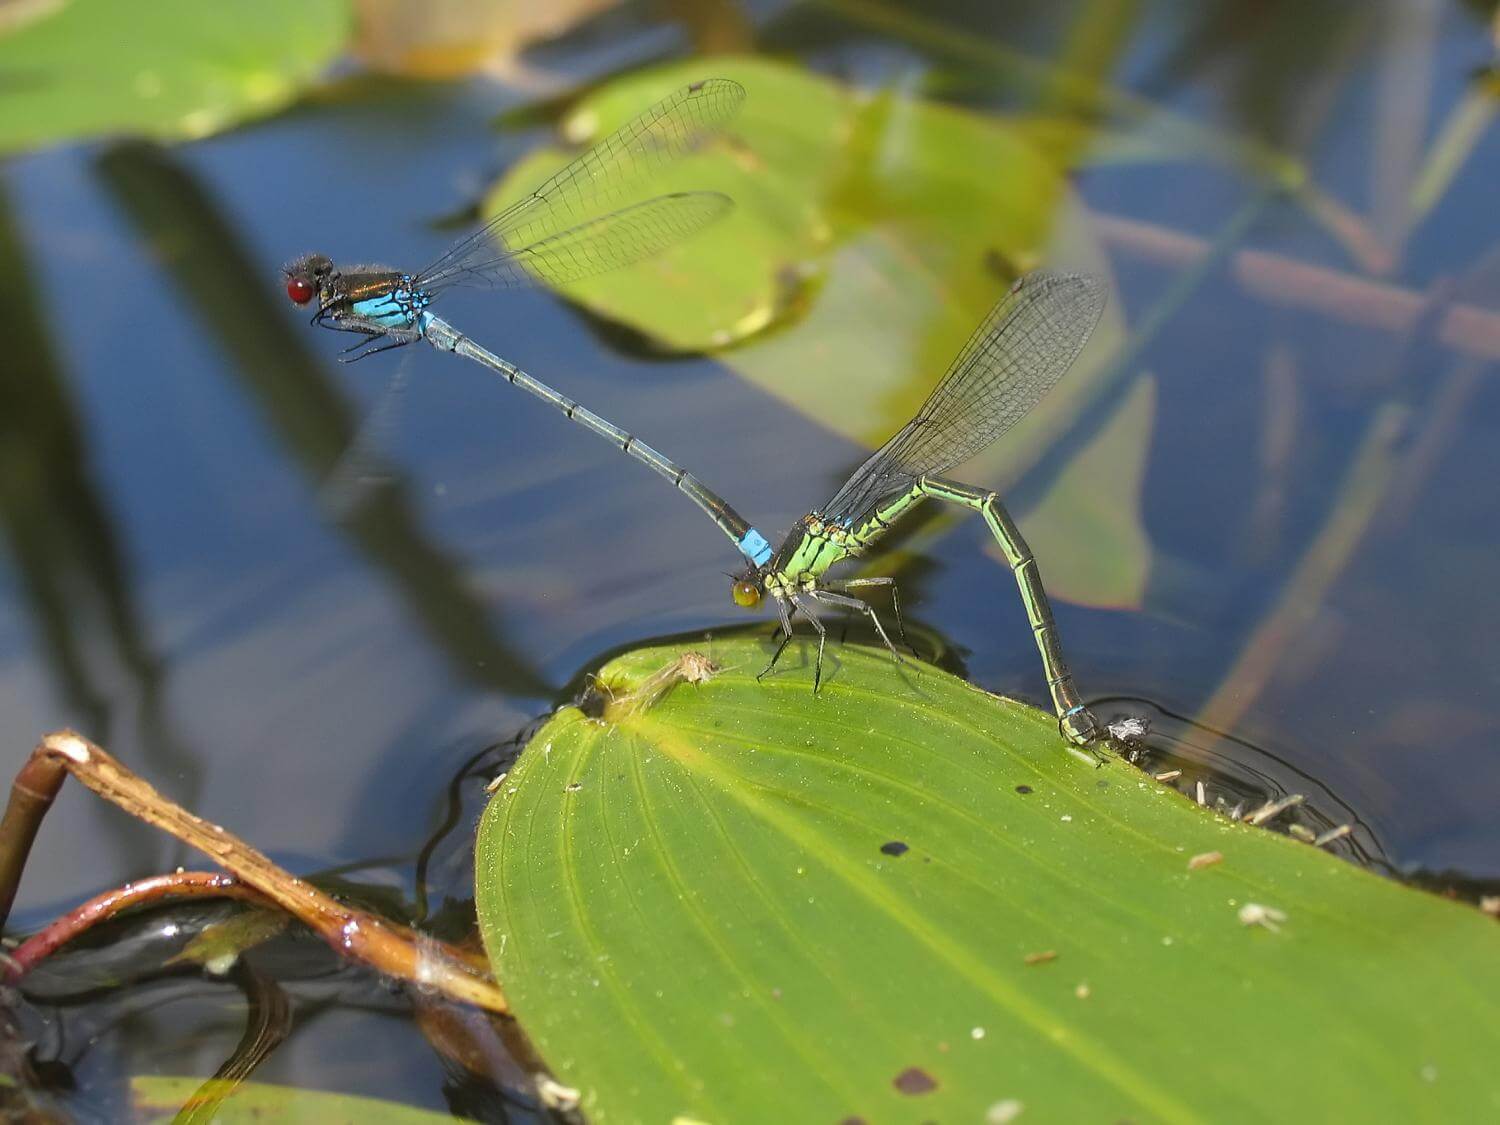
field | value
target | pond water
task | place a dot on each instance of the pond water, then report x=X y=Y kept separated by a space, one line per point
x=1308 y=495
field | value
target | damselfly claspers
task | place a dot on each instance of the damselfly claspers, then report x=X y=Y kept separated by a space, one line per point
x=1025 y=345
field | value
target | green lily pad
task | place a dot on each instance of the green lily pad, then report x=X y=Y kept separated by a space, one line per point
x=870 y=236
x=901 y=899
x=157 y=1097
x=171 y=69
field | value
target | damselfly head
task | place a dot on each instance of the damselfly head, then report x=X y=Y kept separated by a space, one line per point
x=747 y=587
x=307 y=277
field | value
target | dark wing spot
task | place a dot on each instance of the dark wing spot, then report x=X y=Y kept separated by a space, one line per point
x=915 y=1080
x=894 y=847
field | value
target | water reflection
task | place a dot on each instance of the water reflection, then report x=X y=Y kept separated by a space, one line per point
x=74 y=579
x=221 y=284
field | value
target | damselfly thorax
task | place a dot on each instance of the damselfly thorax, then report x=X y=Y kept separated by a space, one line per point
x=805 y=555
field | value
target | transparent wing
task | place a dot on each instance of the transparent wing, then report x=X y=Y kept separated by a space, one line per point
x=1025 y=345
x=673 y=127
x=600 y=245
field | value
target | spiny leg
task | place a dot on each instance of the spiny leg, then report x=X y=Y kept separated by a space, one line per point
x=786 y=636
x=1074 y=721
x=395 y=343
x=828 y=597
x=856 y=583
x=802 y=607
x=367 y=338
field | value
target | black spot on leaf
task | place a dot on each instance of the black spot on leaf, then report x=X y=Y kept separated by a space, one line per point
x=914 y=1080
x=894 y=847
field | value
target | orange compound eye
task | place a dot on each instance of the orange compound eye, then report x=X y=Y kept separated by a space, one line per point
x=746 y=593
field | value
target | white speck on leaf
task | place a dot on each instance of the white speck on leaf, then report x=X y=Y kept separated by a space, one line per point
x=1258 y=914
x=1002 y=1112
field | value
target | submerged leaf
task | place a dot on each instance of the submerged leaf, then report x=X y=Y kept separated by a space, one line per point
x=901 y=899
x=159 y=1097
x=220 y=944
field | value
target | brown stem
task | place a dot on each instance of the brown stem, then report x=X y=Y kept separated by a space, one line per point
x=392 y=949
x=138 y=892
x=31 y=795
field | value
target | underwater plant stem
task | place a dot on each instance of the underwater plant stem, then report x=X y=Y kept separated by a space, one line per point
x=389 y=948
x=1354 y=513
x=136 y=893
x=1279 y=280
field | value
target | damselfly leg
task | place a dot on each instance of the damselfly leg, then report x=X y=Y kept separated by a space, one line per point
x=1074 y=719
x=886 y=582
x=848 y=601
x=788 y=608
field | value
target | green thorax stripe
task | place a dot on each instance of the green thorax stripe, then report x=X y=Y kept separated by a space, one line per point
x=878 y=522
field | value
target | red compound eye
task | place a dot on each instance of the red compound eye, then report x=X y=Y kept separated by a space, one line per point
x=300 y=290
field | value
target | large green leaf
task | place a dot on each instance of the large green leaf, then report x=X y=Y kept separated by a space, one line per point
x=165 y=68
x=700 y=905
x=870 y=236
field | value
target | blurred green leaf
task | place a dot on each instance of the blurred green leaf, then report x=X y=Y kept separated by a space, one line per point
x=1074 y=95
x=902 y=900
x=1468 y=120
x=871 y=235
x=1076 y=509
x=157 y=1097
x=170 y=69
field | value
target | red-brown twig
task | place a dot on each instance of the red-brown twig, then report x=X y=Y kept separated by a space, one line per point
x=136 y=893
x=392 y=949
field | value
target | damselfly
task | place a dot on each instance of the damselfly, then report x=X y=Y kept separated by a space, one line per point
x=1021 y=350
x=543 y=239
x=1025 y=345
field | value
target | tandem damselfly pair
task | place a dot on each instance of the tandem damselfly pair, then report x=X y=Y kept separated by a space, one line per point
x=1022 y=348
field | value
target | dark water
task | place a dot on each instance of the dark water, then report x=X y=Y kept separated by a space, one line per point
x=1320 y=488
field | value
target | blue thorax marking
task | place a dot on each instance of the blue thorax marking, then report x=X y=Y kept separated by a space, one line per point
x=754 y=547
x=396 y=309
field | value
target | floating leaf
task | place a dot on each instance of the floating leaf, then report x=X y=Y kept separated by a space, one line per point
x=170 y=69
x=870 y=236
x=901 y=899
